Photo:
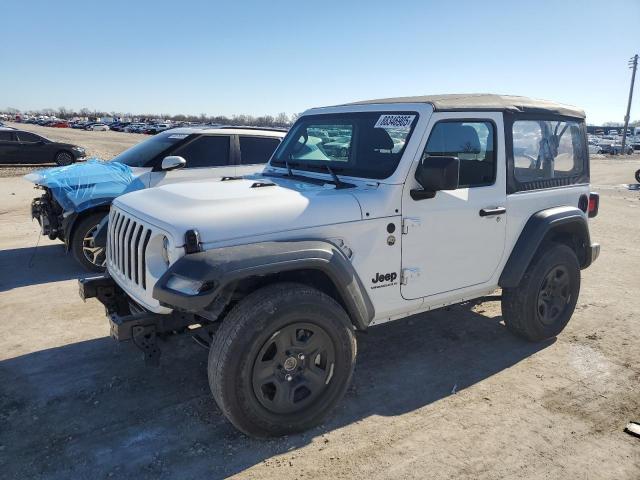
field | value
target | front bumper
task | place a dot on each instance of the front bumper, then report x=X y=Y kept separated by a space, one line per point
x=78 y=155
x=128 y=320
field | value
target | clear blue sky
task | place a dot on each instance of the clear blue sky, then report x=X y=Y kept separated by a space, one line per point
x=265 y=57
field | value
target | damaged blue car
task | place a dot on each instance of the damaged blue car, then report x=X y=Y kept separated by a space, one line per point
x=75 y=200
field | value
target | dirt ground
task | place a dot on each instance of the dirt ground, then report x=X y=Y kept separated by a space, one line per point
x=448 y=394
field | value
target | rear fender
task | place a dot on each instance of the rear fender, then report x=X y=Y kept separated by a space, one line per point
x=565 y=224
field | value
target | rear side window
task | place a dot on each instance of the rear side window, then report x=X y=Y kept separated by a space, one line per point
x=473 y=143
x=28 y=137
x=205 y=151
x=547 y=153
x=257 y=149
x=6 y=136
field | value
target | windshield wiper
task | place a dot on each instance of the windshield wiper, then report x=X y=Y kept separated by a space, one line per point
x=336 y=180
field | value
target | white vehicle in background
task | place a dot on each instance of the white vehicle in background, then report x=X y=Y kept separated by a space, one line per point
x=181 y=155
x=98 y=127
x=159 y=127
x=134 y=127
x=594 y=146
x=612 y=132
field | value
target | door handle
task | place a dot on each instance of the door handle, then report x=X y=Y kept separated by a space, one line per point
x=487 y=212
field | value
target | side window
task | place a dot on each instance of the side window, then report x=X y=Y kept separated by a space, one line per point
x=206 y=151
x=257 y=149
x=472 y=143
x=28 y=137
x=545 y=150
x=6 y=136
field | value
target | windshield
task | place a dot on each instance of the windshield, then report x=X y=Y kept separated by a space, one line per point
x=367 y=145
x=141 y=154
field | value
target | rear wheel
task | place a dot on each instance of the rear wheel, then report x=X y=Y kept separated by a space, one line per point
x=83 y=246
x=638 y=176
x=542 y=304
x=63 y=158
x=281 y=360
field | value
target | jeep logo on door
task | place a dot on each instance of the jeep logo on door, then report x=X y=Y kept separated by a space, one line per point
x=384 y=279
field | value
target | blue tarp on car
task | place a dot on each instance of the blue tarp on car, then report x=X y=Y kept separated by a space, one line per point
x=84 y=185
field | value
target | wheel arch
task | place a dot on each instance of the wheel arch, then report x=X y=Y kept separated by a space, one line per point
x=232 y=272
x=70 y=225
x=566 y=225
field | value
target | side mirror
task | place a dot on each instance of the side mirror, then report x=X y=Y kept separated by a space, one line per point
x=435 y=174
x=172 y=162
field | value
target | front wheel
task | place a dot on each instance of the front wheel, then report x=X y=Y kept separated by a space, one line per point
x=83 y=247
x=63 y=158
x=281 y=360
x=542 y=304
x=638 y=176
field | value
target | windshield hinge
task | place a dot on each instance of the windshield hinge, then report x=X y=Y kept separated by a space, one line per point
x=408 y=274
x=408 y=223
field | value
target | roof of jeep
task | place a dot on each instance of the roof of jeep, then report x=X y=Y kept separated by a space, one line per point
x=229 y=130
x=483 y=101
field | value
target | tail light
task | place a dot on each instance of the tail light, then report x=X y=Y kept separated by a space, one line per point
x=594 y=204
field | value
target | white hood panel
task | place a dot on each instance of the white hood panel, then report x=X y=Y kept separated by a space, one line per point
x=223 y=211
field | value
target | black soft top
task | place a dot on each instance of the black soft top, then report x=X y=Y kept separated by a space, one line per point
x=484 y=102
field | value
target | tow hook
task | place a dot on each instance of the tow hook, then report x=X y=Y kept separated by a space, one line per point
x=144 y=337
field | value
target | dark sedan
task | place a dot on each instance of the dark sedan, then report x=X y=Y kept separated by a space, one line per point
x=17 y=146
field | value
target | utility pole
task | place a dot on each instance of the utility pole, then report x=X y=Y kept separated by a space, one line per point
x=633 y=64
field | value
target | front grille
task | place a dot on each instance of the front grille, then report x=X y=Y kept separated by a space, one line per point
x=127 y=246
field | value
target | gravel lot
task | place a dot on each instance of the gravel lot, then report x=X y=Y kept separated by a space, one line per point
x=448 y=394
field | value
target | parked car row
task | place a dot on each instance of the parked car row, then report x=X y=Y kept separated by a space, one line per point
x=149 y=128
x=611 y=144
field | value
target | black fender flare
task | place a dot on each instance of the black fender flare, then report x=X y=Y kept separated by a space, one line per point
x=541 y=225
x=220 y=267
x=70 y=222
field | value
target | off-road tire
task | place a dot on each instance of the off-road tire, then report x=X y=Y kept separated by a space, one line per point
x=78 y=240
x=521 y=309
x=236 y=351
x=63 y=158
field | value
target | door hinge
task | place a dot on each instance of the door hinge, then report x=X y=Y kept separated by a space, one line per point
x=408 y=274
x=408 y=223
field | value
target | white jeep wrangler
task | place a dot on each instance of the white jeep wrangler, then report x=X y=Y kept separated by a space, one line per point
x=366 y=213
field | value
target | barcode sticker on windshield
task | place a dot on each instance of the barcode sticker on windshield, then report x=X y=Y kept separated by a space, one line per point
x=178 y=135
x=402 y=122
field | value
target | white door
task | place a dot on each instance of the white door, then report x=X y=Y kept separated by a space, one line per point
x=456 y=239
x=208 y=157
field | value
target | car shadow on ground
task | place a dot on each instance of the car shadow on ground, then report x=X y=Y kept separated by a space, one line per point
x=20 y=267
x=92 y=409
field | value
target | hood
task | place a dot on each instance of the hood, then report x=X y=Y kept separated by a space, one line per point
x=80 y=186
x=235 y=209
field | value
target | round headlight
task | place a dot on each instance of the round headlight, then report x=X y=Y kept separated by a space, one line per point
x=165 y=250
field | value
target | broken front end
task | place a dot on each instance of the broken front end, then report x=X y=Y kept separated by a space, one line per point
x=49 y=214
